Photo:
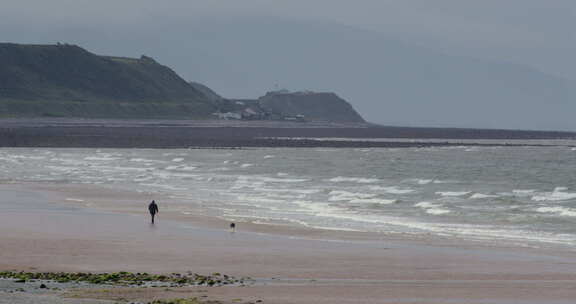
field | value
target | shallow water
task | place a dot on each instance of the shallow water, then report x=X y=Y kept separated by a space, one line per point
x=520 y=194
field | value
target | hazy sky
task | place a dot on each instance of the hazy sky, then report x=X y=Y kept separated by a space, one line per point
x=534 y=34
x=529 y=22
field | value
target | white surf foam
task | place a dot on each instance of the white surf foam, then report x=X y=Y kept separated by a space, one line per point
x=319 y=209
x=437 y=211
x=482 y=196
x=392 y=190
x=520 y=193
x=177 y=160
x=181 y=168
x=257 y=199
x=340 y=195
x=432 y=208
x=562 y=211
x=426 y=205
x=100 y=158
x=423 y=181
x=360 y=180
x=436 y=181
x=556 y=195
x=523 y=191
x=74 y=200
x=453 y=193
x=144 y=160
x=377 y=201
x=267 y=179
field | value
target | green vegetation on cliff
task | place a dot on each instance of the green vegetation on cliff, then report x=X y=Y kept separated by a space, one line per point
x=67 y=81
x=313 y=106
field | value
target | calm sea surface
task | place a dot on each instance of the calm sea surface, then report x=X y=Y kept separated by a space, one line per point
x=525 y=195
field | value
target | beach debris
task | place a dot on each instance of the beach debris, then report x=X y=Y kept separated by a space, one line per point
x=127 y=278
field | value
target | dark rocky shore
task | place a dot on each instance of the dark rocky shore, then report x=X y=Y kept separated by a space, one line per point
x=223 y=134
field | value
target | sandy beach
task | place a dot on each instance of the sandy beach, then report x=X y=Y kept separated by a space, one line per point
x=65 y=228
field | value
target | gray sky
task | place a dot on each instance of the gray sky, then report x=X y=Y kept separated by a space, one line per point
x=537 y=34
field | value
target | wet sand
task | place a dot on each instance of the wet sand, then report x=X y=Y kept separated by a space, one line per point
x=42 y=231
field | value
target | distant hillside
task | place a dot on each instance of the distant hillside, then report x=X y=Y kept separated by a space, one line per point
x=388 y=81
x=66 y=80
x=208 y=92
x=311 y=106
x=291 y=106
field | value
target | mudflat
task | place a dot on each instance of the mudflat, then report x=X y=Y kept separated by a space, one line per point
x=114 y=133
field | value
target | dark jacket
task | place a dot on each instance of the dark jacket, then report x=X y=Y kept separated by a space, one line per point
x=153 y=208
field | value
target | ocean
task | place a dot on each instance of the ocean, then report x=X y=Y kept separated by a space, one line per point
x=520 y=195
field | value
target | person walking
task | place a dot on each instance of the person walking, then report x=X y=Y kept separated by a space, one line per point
x=153 y=208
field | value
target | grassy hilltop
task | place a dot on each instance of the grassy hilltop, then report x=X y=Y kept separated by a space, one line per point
x=67 y=81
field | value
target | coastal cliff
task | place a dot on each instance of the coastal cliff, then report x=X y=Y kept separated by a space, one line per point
x=67 y=81
x=312 y=106
x=292 y=106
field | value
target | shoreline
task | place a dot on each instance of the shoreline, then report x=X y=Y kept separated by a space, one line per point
x=44 y=232
x=91 y=197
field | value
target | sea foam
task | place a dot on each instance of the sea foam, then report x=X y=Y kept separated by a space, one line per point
x=453 y=193
x=360 y=180
x=556 y=195
x=431 y=208
x=340 y=195
x=482 y=196
x=392 y=190
x=557 y=210
x=377 y=201
x=181 y=168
